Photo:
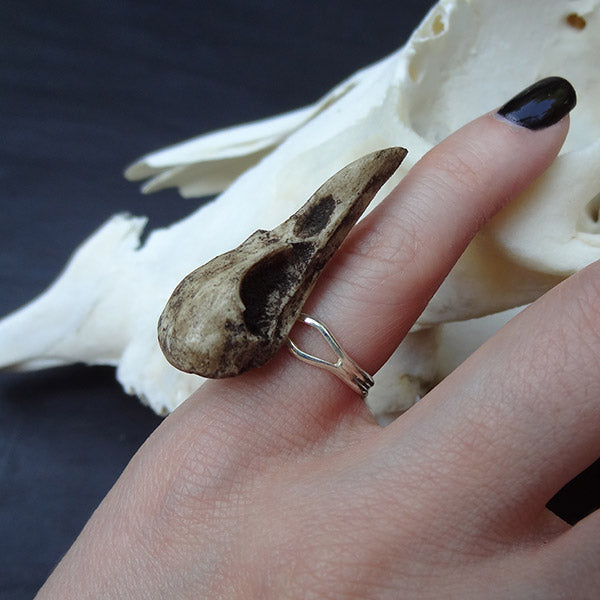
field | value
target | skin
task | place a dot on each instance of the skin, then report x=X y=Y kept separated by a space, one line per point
x=278 y=484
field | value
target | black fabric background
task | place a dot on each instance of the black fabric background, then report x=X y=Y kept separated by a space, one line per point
x=85 y=88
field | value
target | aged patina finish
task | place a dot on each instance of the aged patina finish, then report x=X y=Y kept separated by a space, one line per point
x=233 y=313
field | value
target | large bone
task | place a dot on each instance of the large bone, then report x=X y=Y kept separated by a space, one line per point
x=234 y=313
x=459 y=63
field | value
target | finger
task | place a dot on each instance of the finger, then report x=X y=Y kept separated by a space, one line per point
x=381 y=279
x=397 y=257
x=572 y=561
x=522 y=414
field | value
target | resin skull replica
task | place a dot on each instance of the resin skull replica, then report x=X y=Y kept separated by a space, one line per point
x=235 y=312
x=466 y=58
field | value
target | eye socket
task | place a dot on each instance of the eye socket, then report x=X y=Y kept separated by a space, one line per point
x=270 y=284
x=589 y=220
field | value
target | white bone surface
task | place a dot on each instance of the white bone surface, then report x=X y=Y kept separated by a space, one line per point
x=466 y=58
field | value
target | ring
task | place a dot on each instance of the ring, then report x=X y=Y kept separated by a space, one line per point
x=344 y=368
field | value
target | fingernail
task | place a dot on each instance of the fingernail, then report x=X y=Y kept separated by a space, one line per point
x=541 y=104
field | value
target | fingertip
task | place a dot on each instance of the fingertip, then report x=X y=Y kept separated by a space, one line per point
x=540 y=105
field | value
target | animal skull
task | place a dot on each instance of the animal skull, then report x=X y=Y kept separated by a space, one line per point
x=235 y=312
x=467 y=57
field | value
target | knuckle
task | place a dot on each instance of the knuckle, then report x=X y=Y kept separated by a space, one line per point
x=391 y=248
x=196 y=472
x=466 y=167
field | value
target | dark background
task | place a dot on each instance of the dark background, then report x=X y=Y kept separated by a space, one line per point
x=86 y=87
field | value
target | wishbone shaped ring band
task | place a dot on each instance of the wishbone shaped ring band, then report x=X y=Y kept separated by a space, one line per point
x=344 y=368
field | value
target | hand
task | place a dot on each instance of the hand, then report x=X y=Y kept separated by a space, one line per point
x=278 y=484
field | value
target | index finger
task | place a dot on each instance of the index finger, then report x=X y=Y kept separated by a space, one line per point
x=395 y=259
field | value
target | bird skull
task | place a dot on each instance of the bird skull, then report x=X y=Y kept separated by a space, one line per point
x=233 y=313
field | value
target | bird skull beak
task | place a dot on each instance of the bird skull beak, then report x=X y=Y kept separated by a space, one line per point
x=234 y=313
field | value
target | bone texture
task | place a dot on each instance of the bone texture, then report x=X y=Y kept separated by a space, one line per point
x=234 y=313
x=459 y=63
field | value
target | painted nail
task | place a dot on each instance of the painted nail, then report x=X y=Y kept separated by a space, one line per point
x=541 y=104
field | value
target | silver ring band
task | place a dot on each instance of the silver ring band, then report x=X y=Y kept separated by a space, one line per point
x=344 y=368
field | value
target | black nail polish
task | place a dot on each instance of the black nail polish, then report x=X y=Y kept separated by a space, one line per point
x=541 y=104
